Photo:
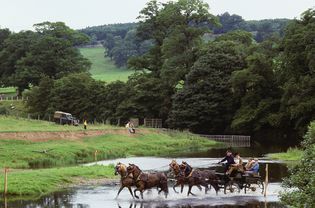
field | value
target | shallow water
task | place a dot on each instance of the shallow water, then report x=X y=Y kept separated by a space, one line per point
x=104 y=196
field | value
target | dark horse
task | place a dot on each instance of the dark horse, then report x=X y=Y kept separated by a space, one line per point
x=199 y=177
x=145 y=181
x=179 y=176
x=126 y=180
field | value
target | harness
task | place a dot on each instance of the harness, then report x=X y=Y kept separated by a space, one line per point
x=190 y=174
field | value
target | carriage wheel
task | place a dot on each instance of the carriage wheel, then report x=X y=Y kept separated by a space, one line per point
x=254 y=186
x=232 y=187
x=261 y=185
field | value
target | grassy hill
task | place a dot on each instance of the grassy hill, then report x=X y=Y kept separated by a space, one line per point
x=103 y=68
x=12 y=124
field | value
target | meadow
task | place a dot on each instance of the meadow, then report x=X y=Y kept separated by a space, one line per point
x=292 y=154
x=41 y=167
x=16 y=124
x=102 y=67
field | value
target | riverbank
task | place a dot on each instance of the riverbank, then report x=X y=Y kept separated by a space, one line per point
x=292 y=154
x=113 y=144
x=61 y=156
x=43 y=181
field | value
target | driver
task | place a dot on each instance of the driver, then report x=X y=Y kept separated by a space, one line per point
x=229 y=160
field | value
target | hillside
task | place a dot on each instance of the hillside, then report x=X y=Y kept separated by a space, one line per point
x=103 y=68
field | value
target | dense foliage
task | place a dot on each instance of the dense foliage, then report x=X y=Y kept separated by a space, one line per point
x=301 y=182
x=122 y=43
x=28 y=56
x=229 y=85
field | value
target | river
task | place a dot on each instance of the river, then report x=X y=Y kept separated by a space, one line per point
x=104 y=195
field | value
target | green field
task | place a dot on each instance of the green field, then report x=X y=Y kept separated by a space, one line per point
x=7 y=90
x=29 y=154
x=40 y=182
x=12 y=124
x=102 y=67
x=292 y=154
x=60 y=157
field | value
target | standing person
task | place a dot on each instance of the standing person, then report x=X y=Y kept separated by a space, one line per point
x=85 y=124
x=229 y=160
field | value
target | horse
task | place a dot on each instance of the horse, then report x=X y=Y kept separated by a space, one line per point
x=199 y=177
x=145 y=181
x=179 y=177
x=126 y=180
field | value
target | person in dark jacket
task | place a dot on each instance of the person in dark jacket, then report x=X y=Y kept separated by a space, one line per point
x=229 y=160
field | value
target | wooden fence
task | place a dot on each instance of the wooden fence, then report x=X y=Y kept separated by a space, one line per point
x=13 y=98
x=230 y=140
x=152 y=123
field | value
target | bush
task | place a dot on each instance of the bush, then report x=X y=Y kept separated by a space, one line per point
x=300 y=185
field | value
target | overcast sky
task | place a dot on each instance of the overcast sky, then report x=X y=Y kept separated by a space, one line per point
x=22 y=14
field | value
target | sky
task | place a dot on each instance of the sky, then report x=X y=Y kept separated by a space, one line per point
x=22 y=14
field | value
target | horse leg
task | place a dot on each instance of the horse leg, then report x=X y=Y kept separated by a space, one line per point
x=189 y=191
x=141 y=192
x=134 y=192
x=129 y=188
x=121 y=188
x=175 y=185
x=204 y=184
x=181 y=188
x=215 y=186
x=199 y=187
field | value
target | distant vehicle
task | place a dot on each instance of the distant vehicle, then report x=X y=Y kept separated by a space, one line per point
x=65 y=118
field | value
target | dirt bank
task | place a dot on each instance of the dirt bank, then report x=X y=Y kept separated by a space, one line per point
x=63 y=135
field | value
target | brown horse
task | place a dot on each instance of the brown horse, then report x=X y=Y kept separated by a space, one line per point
x=126 y=180
x=145 y=181
x=199 y=177
x=179 y=177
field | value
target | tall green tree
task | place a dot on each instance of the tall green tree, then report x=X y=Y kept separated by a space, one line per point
x=297 y=72
x=205 y=104
x=50 y=51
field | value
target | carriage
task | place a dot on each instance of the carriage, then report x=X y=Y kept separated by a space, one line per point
x=238 y=181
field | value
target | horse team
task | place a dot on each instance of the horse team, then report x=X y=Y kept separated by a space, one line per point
x=183 y=173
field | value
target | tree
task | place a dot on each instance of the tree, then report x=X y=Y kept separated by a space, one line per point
x=297 y=72
x=299 y=186
x=29 y=56
x=4 y=34
x=39 y=97
x=205 y=104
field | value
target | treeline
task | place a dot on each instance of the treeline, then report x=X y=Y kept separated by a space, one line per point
x=49 y=51
x=121 y=43
x=230 y=85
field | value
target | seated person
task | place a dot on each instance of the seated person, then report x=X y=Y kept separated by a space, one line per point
x=238 y=166
x=229 y=160
x=250 y=163
x=254 y=170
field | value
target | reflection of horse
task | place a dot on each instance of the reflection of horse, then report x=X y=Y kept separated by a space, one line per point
x=133 y=205
x=145 y=181
x=126 y=179
x=179 y=177
x=199 y=177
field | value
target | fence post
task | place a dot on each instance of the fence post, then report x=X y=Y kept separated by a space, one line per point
x=266 y=181
x=5 y=181
x=38 y=117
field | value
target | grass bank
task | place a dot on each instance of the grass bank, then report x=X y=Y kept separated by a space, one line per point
x=28 y=154
x=44 y=181
x=292 y=154
x=102 y=67
x=7 y=90
x=37 y=182
x=14 y=124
